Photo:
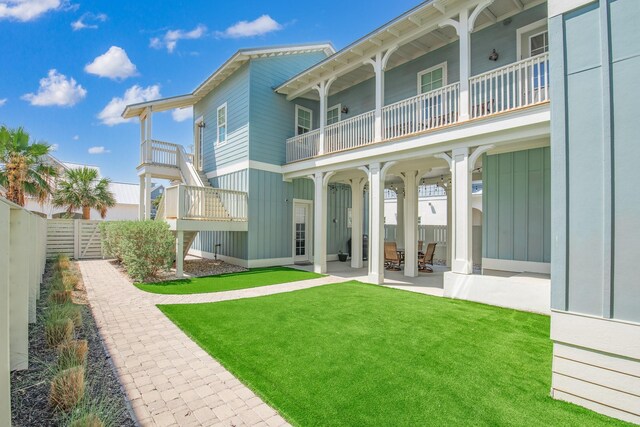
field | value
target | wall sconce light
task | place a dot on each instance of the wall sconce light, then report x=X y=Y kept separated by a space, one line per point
x=345 y=110
x=493 y=56
x=201 y=124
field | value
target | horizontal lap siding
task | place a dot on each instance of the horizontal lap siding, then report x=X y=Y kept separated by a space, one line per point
x=272 y=116
x=235 y=92
x=516 y=206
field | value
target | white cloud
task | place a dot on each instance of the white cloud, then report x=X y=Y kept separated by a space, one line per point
x=3 y=101
x=114 y=64
x=111 y=114
x=262 y=25
x=56 y=89
x=54 y=147
x=182 y=114
x=170 y=39
x=88 y=21
x=27 y=10
x=98 y=150
x=76 y=137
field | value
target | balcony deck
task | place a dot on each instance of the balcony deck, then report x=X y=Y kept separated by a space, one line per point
x=519 y=85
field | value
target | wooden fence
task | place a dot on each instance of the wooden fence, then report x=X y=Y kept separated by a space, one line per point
x=76 y=238
x=22 y=263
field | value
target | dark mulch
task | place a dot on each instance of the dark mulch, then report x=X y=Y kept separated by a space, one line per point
x=30 y=388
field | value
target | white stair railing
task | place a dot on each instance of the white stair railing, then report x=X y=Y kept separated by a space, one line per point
x=516 y=85
x=423 y=112
x=159 y=153
x=350 y=133
x=205 y=203
x=303 y=146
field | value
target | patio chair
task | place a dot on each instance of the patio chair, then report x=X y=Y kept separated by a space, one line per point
x=425 y=263
x=391 y=257
x=420 y=246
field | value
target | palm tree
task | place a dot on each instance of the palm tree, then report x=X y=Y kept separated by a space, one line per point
x=23 y=169
x=83 y=188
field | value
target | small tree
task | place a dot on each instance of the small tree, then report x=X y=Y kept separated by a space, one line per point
x=82 y=188
x=23 y=170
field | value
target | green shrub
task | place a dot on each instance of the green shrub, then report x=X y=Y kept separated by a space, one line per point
x=143 y=247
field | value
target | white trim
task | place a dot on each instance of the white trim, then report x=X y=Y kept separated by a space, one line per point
x=309 y=233
x=557 y=7
x=252 y=263
x=245 y=164
x=527 y=28
x=511 y=292
x=442 y=65
x=226 y=128
x=198 y=146
x=300 y=107
x=339 y=107
x=516 y=266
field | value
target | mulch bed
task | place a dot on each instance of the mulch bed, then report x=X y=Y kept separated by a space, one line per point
x=193 y=267
x=30 y=388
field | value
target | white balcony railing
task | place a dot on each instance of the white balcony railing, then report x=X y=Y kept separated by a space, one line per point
x=303 y=146
x=516 y=85
x=159 y=153
x=423 y=112
x=205 y=203
x=350 y=133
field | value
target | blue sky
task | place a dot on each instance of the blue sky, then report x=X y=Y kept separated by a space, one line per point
x=69 y=66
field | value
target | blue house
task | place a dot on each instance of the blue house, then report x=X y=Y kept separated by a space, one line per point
x=295 y=147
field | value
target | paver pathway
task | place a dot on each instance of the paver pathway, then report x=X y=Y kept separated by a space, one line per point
x=168 y=378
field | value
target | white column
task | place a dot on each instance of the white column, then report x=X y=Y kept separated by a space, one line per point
x=147 y=196
x=179 y=253
x=376 y=223
x=449 y=225
x=19 y=289
x=411 y=224
x=357 y=187
x=461 y=186
x=379 y=82
x=465 y=63
x=320 y=222
x=141 y=199
x=400 y=202
x=5 y=306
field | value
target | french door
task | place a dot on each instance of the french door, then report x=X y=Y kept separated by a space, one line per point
x=302 y=231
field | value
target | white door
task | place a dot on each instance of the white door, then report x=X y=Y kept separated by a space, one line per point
x=301 y=232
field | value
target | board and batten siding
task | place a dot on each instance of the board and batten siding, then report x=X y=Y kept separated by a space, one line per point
x=596 y=161
x=595 y=293
x=232 y=243
x=517 y=206
x=234 y=91
x=272 y=116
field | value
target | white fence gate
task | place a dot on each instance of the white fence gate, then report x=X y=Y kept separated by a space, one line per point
x=76 y=238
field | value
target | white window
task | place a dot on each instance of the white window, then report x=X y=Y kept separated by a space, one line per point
x=333 y=114
x=432 y=78
x=304 y=118
x=222 y=123
x=539 y=43
x=532 y=39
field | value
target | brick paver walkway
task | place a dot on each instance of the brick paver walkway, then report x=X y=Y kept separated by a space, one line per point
x=169 y=379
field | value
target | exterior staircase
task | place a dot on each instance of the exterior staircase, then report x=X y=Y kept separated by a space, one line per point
x=191 y=204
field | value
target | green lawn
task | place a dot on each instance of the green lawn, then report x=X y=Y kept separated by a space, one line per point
x=357 y=354
x=229 y=282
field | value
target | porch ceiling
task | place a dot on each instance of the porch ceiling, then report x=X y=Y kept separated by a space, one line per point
x=416 y=33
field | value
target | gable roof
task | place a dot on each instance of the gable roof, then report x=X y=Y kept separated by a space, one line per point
x=230 y=66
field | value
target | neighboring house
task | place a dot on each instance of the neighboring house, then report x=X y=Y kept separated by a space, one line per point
x=126 y=195
x=595 y=323
x=295 y=146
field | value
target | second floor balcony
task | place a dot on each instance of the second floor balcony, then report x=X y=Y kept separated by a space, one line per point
x=512 y=87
